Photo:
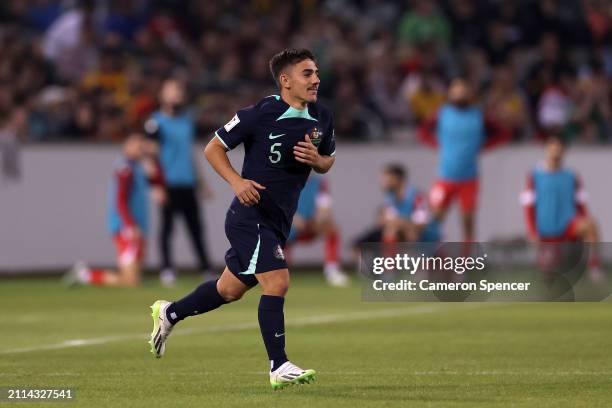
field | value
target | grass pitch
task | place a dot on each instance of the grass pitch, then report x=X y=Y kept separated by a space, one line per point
x=366 y=354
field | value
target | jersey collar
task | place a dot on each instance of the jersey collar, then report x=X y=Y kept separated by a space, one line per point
x=292 y=112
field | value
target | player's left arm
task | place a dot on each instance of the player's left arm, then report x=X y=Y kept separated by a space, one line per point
x=528 y=199
x=323 y=203
x=320 y=158
x=420 y=215
x=427 y=131
x=307 y=153
x=154 y=172
x=581 y=198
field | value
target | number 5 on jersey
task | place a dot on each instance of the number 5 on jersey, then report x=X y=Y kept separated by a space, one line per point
x=275 y=155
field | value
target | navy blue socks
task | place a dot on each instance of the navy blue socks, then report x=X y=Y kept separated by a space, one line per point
x=272 y=325
x=203 y=299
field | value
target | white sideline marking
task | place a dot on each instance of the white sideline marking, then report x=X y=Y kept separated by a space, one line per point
x=297 y=322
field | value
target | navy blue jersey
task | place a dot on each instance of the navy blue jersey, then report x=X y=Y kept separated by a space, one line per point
x=269 y=130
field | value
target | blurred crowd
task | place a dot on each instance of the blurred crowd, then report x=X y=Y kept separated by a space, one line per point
x=90 y=70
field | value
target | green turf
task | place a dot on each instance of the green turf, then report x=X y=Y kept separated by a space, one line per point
x=365 y=354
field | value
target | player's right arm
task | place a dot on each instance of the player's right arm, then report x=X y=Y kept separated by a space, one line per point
x=236 y=131
x=581 y=198
x=528 y=197
x=124 y=188
x=420 y=216
x=495 y=134
x=427 y=131
x=245 y=190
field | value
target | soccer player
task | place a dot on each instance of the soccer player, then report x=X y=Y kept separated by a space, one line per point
x=135 y=172
x=460 y=132
x=173 y=129
x=314 y=218
x=555 y=205
x=406 y=216
x=284 y=137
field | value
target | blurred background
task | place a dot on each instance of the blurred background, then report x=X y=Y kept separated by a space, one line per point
x=77 y=76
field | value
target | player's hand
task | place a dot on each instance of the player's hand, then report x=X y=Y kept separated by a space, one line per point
x=159 y=195
x=246 y=191
x=131 y=233
x=307 y=153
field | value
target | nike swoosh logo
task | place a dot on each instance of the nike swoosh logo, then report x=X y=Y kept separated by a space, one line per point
x=279 y=335
x=271 y=136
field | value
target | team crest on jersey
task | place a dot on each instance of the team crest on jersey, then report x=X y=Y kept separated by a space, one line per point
x=315 y=136
x=278 y=253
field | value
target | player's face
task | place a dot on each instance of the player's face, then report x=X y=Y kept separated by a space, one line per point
x=303 y=80
x=135 y=147
x=460 y=93
x=388 y=181
x=555 y=150
x=172 y=93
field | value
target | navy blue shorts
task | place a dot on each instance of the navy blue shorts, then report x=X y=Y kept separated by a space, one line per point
x=255 y=247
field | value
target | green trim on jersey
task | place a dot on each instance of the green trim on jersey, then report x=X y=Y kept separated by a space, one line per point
x=253 y=261
x=291 y=112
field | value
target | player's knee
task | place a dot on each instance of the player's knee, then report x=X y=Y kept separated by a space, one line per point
x=230 y=294
x=588 y=225
x=282 y=288
x=279 y=287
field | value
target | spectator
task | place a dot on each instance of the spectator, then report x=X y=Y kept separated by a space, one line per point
x=109 y=76
x=593 y=111
x=467 y=24
x=424 y=24
x=70 y=41
x=505 y=103
x=599 y=19
x=83 y=124
x=555 y=107
x=119 y=50
x=548 y=67
x=12 y=128
x=427 y=97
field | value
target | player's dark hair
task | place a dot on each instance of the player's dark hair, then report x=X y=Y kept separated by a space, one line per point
x=286 y=58
x=461 y=78
x=397 y=170
x=556 y=137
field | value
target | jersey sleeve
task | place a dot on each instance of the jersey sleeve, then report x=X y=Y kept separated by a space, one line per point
x=495 y=134
x=427 y=131
x=124 y=186
x=420 y=212
x=528 y=198
x=328 y=144
x=389 y=212
x=581 y=197
x=323 y=199
x=239 y=129
x=151 y=129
